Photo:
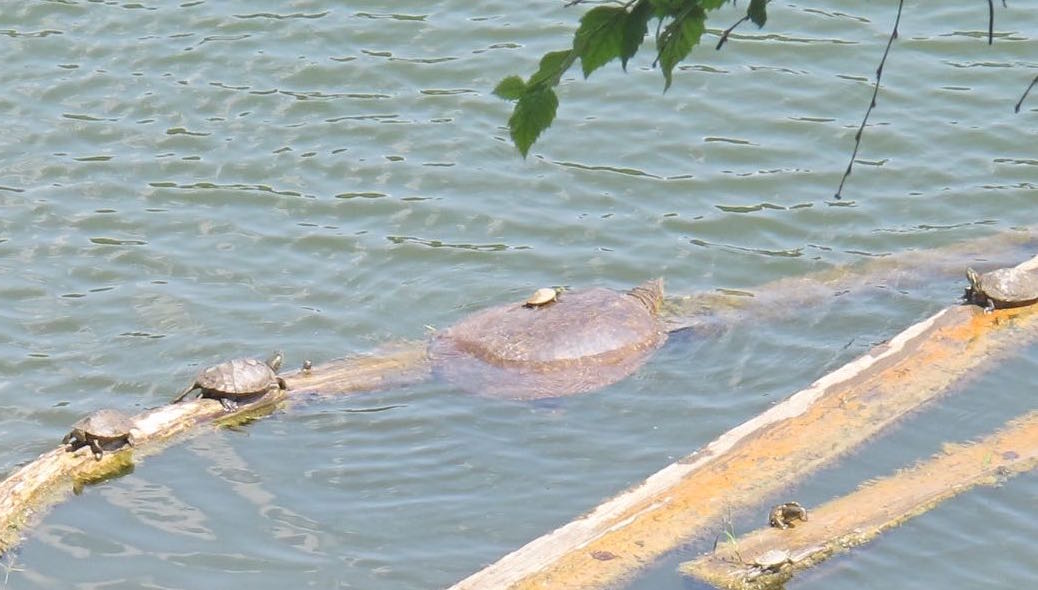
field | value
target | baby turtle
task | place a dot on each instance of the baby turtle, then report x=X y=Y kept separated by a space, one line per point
x=781 y=516
x=1004 y=287
x=773 y=560
x=585 y=340
x=237 y=380
x=104 y=430
x=543 y=296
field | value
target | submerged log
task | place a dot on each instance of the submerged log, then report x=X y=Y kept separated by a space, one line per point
x=859 y=517
x=28 y=491
x=764 y=455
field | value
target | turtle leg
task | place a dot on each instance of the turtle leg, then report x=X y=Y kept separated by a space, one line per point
x=96 y=447
x=184 y=393
x=228 y=404
x=72 y=442
x=990 y=306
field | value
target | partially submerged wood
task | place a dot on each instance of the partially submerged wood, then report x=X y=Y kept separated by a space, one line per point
x=764 y=455
x=881 y=504
x=29 y=490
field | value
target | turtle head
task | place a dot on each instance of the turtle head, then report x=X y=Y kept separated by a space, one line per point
x=650 y=294
x=974 y=278
x=274 y=362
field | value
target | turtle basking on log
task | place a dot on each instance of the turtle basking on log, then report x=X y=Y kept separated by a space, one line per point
x=237 y=380
x=104 y=430
x=586 y=340
x=1001 y=288
x=783 y=515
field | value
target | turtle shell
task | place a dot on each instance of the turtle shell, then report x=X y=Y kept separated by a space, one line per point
x=237 y=378
x=104 y=425
x=585 y=340
x=1004 y=287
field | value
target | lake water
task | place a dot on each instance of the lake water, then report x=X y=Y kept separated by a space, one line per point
x=182 y=183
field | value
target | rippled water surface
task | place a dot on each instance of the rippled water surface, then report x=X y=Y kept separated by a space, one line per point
x=185 y=182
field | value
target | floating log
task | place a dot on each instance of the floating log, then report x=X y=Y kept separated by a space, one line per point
x=768 y=557
x=769 y=453
x=28 y=491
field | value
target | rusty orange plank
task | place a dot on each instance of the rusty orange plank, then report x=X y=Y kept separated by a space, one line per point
x=764 y=455
x=881 y=504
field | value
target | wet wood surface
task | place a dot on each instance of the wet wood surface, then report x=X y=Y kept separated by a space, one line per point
x=877 y=506
x=29 y=490
x=765 y=455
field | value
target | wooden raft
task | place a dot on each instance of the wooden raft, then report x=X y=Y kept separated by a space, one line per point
x=859 y=517
x=765 y=455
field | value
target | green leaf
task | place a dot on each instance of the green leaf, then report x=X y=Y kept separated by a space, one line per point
x=600 y=36
x=511 y=88
x=553 y=65
x=713 y=4
x=757 y=12
x=678 y=39
x=662 y=8
x=635 y=28
x=533 y=114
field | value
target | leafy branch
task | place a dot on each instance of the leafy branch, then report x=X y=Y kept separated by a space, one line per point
x=607 y=33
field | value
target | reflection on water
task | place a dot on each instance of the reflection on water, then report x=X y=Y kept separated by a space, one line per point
x=194 y=181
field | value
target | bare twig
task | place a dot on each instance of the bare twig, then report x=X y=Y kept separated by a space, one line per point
x=991 y=21
x=872 y=104
x=728 y=31
x=1020 y=102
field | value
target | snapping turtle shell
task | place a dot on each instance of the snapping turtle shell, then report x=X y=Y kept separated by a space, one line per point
x=103 y=430
x=235 y=380
x=585 y=340
x=1004 y=287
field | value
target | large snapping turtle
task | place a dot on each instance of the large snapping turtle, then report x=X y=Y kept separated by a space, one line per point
x=582 y=341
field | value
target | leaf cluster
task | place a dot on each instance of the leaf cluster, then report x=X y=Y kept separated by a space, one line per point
x=606 y=33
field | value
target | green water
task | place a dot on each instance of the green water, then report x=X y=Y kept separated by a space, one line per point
x=185 y=182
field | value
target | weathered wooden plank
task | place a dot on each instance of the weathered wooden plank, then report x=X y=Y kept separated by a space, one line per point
x=764 y=455
x=29 y=490
x=879 y=505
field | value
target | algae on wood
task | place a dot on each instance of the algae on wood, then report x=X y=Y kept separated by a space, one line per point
x=879 y=505
x=769 y=453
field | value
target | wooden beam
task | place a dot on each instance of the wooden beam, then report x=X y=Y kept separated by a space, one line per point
x=879 y=505
x=30 y=490
x=27 y=492
x=771 y=452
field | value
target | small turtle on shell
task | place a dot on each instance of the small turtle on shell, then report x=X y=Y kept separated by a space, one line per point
x=781 y=516
x=236 y=380
x=542 y=297
x=1004 y=287
x=103 y=430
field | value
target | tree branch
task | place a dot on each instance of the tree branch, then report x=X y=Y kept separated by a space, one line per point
x=872 y=105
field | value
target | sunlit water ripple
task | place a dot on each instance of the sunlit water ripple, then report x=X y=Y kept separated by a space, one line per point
x=185 y=182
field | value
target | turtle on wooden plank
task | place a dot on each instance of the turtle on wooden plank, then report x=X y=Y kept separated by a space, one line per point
x=237 y=380
x=783 y=515
x=586 y=340
x=1001 y=288
x=103 y=430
